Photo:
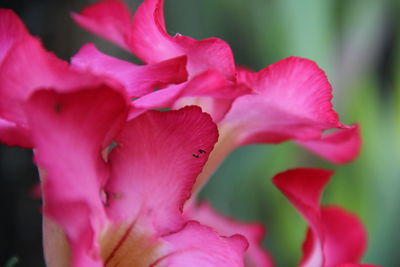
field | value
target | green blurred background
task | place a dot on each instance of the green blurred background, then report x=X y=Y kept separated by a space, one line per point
x=356 y=42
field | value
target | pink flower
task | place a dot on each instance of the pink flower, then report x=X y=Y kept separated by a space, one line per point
x=335 y=237
x=145 y=35
x=289 y=100
x=26 y=66
x=125 y=206
x=137 y=80
x=216 y=91
x=255 y=255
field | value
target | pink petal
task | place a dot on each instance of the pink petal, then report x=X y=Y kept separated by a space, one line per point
x=28 y=67
x=255 y=255
x=137 y=80
x=110 y=19
x=213 y=93
x=197 y=245
x=149 y=41
x=339 y=147
x=345 y=236
x=14 y=135
x=148 y=38
x=209 y=90
x=291 y=101
x=11 y=30
x=159 y=99
x=158 y=157
x=303 y=188
x=334 y=236
x=219 y=55
x=70 y=131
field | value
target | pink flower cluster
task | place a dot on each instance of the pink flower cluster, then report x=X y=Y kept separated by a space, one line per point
x=116 y=174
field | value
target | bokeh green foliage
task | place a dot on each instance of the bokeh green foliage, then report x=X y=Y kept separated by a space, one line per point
x=357 y=44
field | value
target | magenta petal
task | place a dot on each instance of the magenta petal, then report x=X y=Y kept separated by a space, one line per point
x=334 y=236
x=14 y=135
x=11 y=30
x=209 y=90
x=291 y=101
x=39 y=69
x=26 y=67
x=155 y=164
x=255 y=255
x=219 y=55
x=339 y=147
x=345 y=236
x=110 y=19
x=159 y=99
x=148 y=38
x=303 y=188
x=70 y=131
x=206 y=84
x=150 y=42
x=197 y=245
x=212 y=92
x=137 y=80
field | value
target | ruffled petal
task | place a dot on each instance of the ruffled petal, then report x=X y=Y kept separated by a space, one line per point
x=149 y=40
x=14 y=135
x=209 y=90
x=11 y=30
x=197 y=245
x=291 y=101
x=338 y=147
x=219 y=55
x=303 y=188
x=70 y=131
x=28 y=67
x=137 y=80
x=12 y=33
x=110 y=19
x=334 y=236
x=214 y=94
x=255 y=255
x=345 y=236
x=154 y=166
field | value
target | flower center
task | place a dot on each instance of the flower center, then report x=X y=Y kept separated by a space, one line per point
x=125 y=245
